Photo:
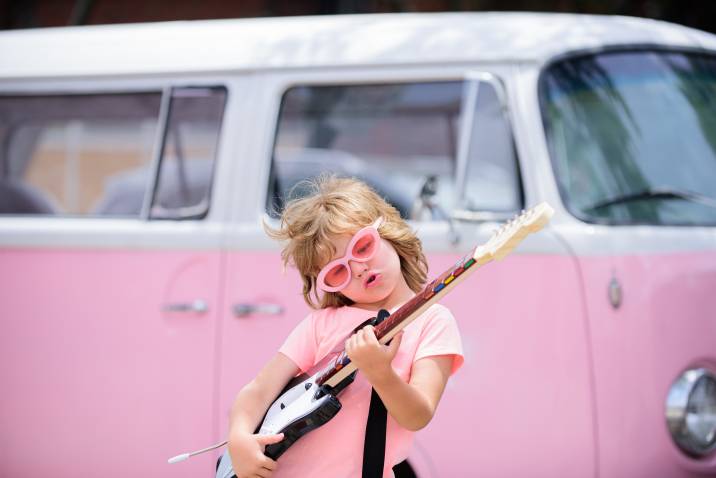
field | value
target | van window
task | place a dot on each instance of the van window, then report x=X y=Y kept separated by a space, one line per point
x=395 y=137
x=402 y=139
x=632 y=136
x=492 y=175
x=65 y=154
x=189 y=152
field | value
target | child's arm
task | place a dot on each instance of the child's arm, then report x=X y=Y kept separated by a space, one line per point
x=246 y=448
x=411 y=404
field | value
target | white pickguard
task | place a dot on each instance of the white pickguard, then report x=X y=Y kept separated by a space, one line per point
x=297 y=402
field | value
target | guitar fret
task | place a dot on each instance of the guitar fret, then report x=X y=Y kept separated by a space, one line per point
x=428 y=292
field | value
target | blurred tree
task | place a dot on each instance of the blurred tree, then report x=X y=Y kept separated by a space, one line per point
x=15 y=14
x=80 y=12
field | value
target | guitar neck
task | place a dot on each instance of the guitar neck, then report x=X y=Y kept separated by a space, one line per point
x=502 y=242
x=401 y=318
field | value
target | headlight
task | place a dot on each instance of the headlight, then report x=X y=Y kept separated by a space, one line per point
x=691 y=412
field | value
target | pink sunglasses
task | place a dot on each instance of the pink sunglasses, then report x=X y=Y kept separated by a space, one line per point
x=336 y=275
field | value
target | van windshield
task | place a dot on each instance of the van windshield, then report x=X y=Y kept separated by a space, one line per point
x=632 y=136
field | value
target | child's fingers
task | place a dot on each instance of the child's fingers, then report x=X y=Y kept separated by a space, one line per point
x=361 y=338
x=264 y=473
x=269 y=439
x=366 y=335
x=269 y=464
x=370 y=334
x=395 y=344
x=351 y=342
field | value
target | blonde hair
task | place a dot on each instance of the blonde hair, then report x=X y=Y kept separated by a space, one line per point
x=337 y=206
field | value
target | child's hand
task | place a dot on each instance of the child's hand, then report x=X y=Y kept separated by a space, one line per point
x=369 y=355
x=247 y=457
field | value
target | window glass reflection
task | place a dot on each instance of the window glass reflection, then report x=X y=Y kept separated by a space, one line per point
x=623 y=127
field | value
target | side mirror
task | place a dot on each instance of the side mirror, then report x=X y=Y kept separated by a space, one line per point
x=426 y=201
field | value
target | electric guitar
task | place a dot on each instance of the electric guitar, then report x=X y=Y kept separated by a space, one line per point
x=310 y=400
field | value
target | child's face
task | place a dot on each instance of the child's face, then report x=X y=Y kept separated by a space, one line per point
x=376 y=283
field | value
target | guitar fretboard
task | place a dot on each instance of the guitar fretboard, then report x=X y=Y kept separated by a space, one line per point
x=404 y=312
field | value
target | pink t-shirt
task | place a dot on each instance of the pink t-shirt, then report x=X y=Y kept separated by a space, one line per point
x=336 y=448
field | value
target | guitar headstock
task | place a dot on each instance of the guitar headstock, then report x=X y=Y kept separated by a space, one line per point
x=513 y=232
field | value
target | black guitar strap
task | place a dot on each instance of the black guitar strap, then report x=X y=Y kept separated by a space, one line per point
x=374 y=444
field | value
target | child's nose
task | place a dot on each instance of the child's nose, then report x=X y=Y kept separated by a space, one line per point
x=357 y=268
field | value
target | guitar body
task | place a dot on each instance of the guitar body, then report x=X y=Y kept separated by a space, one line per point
x=302 y=406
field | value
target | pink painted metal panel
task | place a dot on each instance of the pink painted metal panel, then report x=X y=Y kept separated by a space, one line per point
x=522 y=402
x=523 y=397
x=248 y=342
x=664 y=326
x=96 y=379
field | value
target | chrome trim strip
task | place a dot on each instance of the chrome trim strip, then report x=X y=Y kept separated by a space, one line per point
x=677 y=403
x=197 y=306
x=158 y=152
x=247 y=309
x=467 y=108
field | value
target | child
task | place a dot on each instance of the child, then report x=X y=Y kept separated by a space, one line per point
x=383 y=269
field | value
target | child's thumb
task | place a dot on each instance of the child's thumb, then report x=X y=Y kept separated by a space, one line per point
x=395 y=343
x=269 y=439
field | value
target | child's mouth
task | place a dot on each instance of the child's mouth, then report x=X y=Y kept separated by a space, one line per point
x=372 y=280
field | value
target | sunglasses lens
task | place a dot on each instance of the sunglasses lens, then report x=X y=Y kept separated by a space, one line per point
x=364 y=247
x=336 y=276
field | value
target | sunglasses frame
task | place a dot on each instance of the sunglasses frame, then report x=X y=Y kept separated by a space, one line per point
x=371 y=230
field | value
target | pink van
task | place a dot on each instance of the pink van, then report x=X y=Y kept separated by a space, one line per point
x=139 y=292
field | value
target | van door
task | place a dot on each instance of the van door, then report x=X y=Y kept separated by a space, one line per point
x=524 y=336
x=110 y=277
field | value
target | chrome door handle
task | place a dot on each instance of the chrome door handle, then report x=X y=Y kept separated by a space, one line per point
x=199 y=306
x=243 y=310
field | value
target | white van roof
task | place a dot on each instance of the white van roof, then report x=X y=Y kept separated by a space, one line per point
x=338 y=40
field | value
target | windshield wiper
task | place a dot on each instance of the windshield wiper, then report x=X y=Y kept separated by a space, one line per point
x=656 y=193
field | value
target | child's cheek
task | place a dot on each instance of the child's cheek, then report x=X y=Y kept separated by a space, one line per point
x=354 y=290
x=355 y=294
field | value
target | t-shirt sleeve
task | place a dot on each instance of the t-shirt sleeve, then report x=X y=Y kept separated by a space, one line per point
x=300 y=345
x=440 y=336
